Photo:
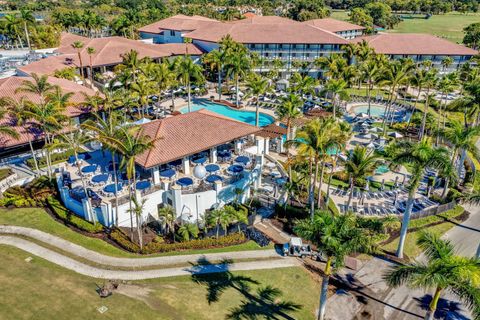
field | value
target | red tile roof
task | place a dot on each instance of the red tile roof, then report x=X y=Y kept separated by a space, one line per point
x=413 y=44
x=9 y=85
x=190 y=133
x=265 y=20
x=109 y=50
x=49 y=65
x=175 y=49
x=258 y=30
x=333 y=25
x=179 y=22
x=249 y=15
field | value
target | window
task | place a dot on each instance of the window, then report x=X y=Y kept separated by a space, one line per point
x=172 y=33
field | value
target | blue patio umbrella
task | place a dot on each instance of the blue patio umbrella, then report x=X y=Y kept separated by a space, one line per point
x=89 y=169
x=242 y=159
x=111 y=188
x=185 y=182
x=212 y=178
x=168 y=173
x=82 y=156
x=212 y=167
x=142 y=185
x=100 y=178
x=71 y=160
x=110 y=167
x=200 y=160
x=236 y=168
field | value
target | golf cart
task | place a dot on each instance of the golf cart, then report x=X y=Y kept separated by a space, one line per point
x=296 y=248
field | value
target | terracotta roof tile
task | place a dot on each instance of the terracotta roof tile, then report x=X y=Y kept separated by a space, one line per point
x=49 y=65
x=333 y=25
x=413 y=44
x=179 y=22
x=187 y=134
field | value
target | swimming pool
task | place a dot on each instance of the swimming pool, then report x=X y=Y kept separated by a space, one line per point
x=375 y=110
x=382 y=169
x=240 y=115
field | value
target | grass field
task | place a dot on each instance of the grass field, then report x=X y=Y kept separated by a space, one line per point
x=39 y=219
x=449 y=26
x=41 y=290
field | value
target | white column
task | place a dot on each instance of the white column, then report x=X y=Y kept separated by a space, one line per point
x=259 y=142
x=186 y=165
x=177 y=199
x=266 y=146
x=156 y=175
x=238 y=146
x=279 y=145
x=213 y=155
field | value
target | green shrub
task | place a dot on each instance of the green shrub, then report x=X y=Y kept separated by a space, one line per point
x=64 y=214
x=123 y=241
x=206 y=243
x=55 y=158
x=33 y=194
x=449 y=214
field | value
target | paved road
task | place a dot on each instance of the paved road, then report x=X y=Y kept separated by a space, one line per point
x=100 y=273
x=99 y=258
x=466 y=236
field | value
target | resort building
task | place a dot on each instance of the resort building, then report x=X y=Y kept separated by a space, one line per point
x=199 y=160
x=344 y=29
x=419 y=47
x=29 y=132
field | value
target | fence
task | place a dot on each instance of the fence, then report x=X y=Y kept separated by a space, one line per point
x=8 y=182
x=433 y=211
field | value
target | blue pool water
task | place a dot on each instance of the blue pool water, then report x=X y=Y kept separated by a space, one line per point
x=382 y=169
x=375 y=111
x=240 y=115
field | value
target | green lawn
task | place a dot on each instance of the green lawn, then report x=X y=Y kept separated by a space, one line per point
x=39 y=219
x=42 y=290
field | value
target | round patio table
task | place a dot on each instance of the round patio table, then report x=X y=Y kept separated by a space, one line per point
x=185 y=182
x=142 y=185
x=100 y=178
x=213 y=178
x=212 y=167
x=89 y=169
x=199 y=160
x=111 y=188
x=236 y=168
x=168 y=173
x=242 y=159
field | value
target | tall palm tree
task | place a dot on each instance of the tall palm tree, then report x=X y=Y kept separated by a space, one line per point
x=78 y=45
x=39 y=86
x=137 y=210
x=431 y=80
x=257 y=85
x=469 y=103
x=446 y=85
x=91 y=51
x=215 y=60
x=142 y=90
x=187 y=71
x=106 y=130
x=237 y=68
x=419 y=156
x=443 y=271
x=360 y=164
x=220 y=218
x=288 y=110
x=462 y=139
x=12 y=24
x=130 y=142
x=167 y=219
x=338 y=90
x=336 y=236
x=370 y=72
x=447 y=62
x=27 y=18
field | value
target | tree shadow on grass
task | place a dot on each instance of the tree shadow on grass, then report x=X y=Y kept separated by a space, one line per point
x=261 y=303
x=446 y=309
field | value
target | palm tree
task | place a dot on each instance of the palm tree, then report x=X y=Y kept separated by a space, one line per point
x=187 y=71
x=360 y=164
x=288 y=110
x=12 y=28
x=336 y=236
x=91 y=51
x=106 y=130
x=137 y=210
x=446 y=85
x=188 y=231
x=142 y=90
x=462 y=139
x=215 y=60
x=130 y=142
x=447 y=62
x=370 y=71
x=431 y=80
x=237 y=68
x=26 y=17
x=442 y=271
x=16 y=109
x=469 y=103
x=78 y=45
x=167 y=219
x=419 y=156
x=220 y=217
x=257 y=86
x=39 y=86
x=338 y=90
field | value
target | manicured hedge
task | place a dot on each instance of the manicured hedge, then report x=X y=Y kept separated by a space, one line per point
x=123 y=241
x=63 y=213
x=206 y=243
